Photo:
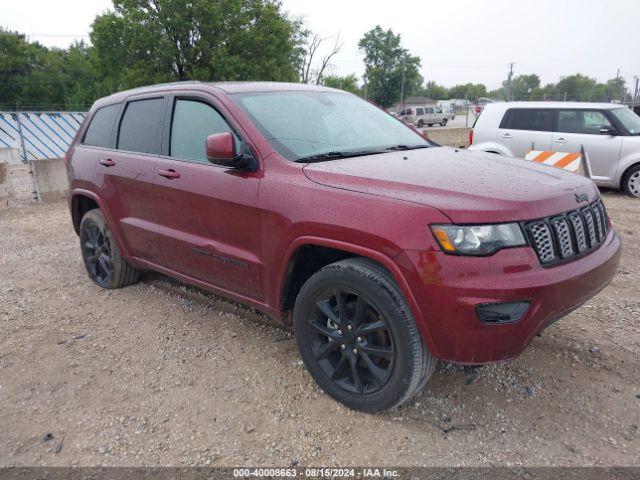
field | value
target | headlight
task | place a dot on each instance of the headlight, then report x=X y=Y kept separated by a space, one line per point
x=478 y=240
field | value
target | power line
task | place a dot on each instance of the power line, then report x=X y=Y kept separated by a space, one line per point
x=61 y=35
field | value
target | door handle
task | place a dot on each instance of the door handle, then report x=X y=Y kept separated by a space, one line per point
x=107 y=162
x=561 y=140
x=169 y=173
x=506 y=135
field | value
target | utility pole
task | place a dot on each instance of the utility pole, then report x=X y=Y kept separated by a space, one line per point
x=366 y=87
x=614 y=91
x=636 y=90
x=510 y=83
x=402 y=84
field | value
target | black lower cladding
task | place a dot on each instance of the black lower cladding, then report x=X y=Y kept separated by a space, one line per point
x=501 y=313
x=569 y=235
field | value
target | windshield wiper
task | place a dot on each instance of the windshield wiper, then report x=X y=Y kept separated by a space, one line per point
x=407 y=147
x=322 y=157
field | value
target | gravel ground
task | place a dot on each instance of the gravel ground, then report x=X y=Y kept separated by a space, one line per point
x=165 y=374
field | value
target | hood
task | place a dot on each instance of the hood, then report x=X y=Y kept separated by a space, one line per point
x=468 y=187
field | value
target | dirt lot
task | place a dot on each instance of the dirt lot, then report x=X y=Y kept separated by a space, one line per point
x=165 y=374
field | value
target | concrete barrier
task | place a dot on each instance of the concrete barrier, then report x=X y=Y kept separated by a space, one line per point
x=10 y=156
x=451 y=137
x=6 y=187
x=49 y=179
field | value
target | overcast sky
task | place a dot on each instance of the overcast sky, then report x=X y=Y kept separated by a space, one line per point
x=458 y=41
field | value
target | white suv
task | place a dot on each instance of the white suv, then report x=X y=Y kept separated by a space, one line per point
x=609 y=133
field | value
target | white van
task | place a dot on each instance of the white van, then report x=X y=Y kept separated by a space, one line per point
x=609 y=133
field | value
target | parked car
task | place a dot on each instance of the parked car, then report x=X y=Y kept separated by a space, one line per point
x=609 y=133
x=426 y=116
x=382 y=251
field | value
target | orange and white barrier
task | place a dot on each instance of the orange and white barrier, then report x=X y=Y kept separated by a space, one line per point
x=567 y=161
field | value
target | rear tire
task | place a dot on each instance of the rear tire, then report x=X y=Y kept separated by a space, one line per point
x=631 y=182
x=102 y=258
x=357 y=336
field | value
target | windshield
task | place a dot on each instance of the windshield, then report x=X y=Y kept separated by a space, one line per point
x=630 y=120
x=310 y=124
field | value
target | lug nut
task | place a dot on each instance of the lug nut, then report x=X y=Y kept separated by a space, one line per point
x=355 y=350
x=349 y=328
x=359 y=339
x=343 y=347
x=339 y=332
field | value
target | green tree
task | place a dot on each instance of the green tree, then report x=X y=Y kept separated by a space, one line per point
x=148 y=41
x=470 y=91
x=433 y=90
x=348 y=83
x=577 y=88
x=498 y=94
x=387 y=63
x=31 y=75
x=523 y=86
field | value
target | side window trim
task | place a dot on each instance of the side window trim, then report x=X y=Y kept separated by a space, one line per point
x=604 y=112
x=168 y=123
x=508 y=121
x=160 y=129
x=114 y=128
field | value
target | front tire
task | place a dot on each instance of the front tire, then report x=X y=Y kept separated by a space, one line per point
x=102 y=258
x=420 y=123
x=357 y=336
x=631 y=182
x=443 y=122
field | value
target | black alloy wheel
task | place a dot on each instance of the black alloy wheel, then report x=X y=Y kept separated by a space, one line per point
x=102 y=258
x=96 y=251
x=358 y=338
x=351 y=341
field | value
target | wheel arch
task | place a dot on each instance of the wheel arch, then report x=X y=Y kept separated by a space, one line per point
x=80 y=202
x=295 y=273
x=625 y=170
x=489 y=147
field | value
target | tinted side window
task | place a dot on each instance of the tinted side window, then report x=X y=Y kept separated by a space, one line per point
x=420 y=111
x=507 y=120
x=98 y=133
x=581 y=121
x=192 y=123
x=139 y=130
x=528 y=119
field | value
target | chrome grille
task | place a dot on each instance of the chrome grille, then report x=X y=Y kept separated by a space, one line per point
x=563 y=235
x=599 y=224
x=541 y=235
x=568 y=235
x=591 y=226
x=581 y=234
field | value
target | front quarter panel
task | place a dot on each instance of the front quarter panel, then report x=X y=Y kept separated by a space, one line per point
x=294 y=209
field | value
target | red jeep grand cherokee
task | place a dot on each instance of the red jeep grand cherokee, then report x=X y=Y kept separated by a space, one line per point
x=383 y=251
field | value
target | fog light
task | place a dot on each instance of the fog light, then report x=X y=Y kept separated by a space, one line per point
x=501 y=313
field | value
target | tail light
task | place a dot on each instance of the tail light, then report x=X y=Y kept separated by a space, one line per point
x=471 y=137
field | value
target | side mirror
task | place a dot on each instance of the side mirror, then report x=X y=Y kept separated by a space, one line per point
x=608 y=131
x=221 y=150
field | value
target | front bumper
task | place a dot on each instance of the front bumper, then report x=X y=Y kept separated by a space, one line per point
x=447 y=290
